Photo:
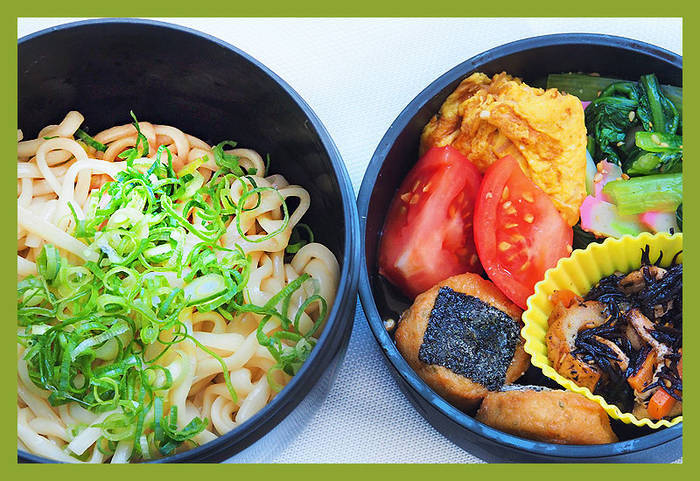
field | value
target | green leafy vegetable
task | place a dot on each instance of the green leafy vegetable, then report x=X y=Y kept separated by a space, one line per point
x=634 y=125
x=589 y=87
x=661 y=192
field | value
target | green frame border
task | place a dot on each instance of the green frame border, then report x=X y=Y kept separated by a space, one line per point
x=316 y=8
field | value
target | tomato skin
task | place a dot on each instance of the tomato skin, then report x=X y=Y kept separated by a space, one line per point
x=428 y=233
x=519 y=234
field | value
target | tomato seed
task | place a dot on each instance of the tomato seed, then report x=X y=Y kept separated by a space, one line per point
x=525 y=265
x=406 y=197
x=510 y=226
x=504 y=246
x=506 y=192
x=528 y=196
x=489 y=195
x=529 y=218
x=507 y=205
x=414 y=199
x=427 y=187
x=415 y=186
x=569 y=249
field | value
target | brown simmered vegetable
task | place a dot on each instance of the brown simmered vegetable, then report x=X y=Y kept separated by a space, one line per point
x=629 y=347
x=561 y=417
x=564 y=325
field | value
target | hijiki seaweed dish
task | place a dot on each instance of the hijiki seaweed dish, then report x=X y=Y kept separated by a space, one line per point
x=623 y=339
x=510 y=179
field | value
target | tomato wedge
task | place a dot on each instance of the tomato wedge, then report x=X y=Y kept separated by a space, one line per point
x=428 y=234
x=519 y=234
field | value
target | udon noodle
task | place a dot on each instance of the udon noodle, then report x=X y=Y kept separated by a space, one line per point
x=148 y=325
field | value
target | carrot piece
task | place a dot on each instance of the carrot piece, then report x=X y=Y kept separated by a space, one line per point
x=660 y=404
x=643 y=377
x=565 y=297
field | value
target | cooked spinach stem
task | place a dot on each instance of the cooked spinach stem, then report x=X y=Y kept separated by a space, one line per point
x=634 y=125
x=658 y=141
x=660 y=192
x=86 y=328
x=588 y=87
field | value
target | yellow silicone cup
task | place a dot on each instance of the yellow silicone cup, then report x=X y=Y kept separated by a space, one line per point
x=579 y=273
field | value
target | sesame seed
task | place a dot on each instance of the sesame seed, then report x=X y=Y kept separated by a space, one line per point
x=505 y=193
x=598 y=177
x=631 y=116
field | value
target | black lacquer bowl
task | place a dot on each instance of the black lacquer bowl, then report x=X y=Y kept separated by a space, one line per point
x=531 y=59
x=173 y=75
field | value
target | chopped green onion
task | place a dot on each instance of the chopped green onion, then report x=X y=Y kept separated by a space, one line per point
x=82 y=135
x=95 y=334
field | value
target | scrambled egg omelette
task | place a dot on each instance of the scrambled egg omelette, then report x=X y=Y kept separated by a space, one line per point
x=487 y=119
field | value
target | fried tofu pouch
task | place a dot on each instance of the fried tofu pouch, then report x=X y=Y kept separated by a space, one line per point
x=561 y=417
x=460 y=391
x=487 y=119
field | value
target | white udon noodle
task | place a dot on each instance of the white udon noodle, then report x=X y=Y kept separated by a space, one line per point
x=56 y=171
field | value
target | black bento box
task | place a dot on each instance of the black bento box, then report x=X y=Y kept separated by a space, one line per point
x=531 y=59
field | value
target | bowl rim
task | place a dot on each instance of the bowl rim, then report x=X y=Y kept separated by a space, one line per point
x=340 y=319
x=401 y=370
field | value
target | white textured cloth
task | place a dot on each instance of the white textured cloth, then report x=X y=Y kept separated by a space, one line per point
x=357 y=75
